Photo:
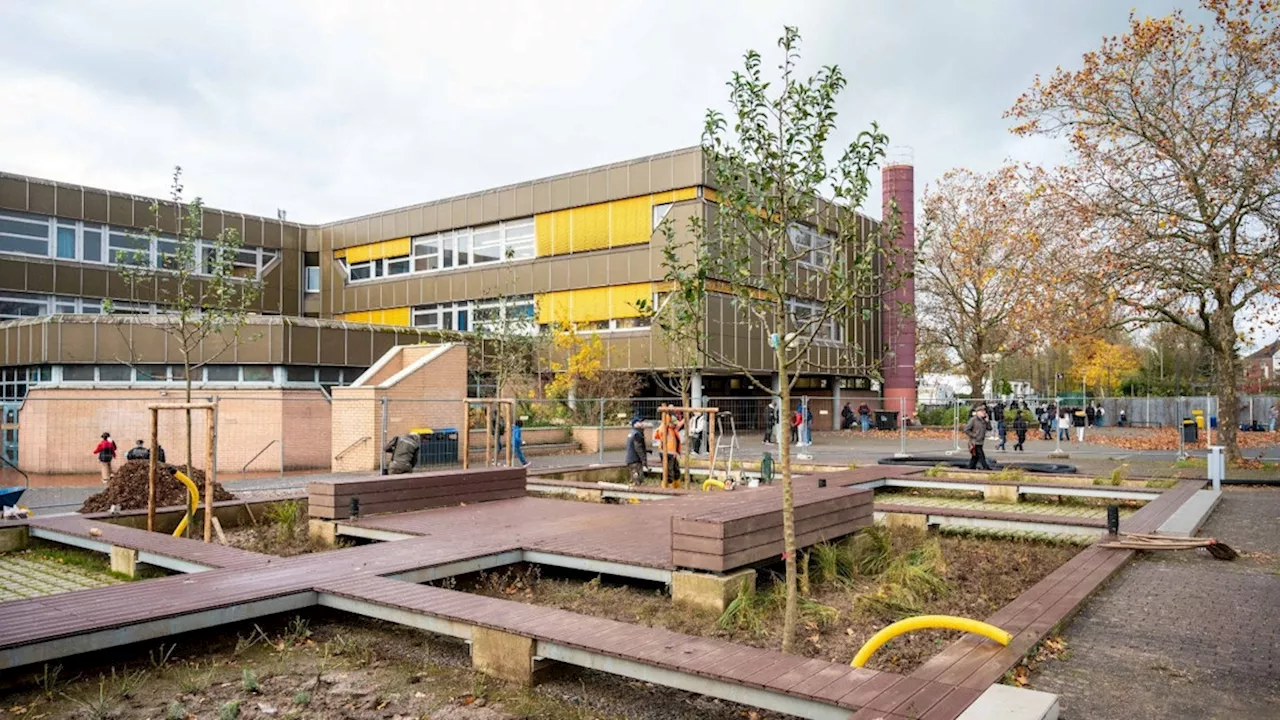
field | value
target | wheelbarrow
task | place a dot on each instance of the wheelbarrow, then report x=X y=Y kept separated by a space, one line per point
x=9 y=495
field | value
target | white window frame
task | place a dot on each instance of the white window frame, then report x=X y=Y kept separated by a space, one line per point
x=816 y=246
x=830 y=332
x=516 y=241
x=311 y=279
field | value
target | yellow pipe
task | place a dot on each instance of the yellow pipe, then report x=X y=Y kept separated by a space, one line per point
x=709 y=483
x=193 y=496
x=922 y=622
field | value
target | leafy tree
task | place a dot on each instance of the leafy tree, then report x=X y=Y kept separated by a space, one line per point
x=770 y=239
x=1175 y=133
x=1103 y=366
x=204 y=297
x=505 y=343
x=987 y=273
x=679 y=317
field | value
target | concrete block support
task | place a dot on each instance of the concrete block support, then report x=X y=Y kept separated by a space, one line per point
x=914 y=521
x=712 y=592
x=124 y=561
x=503 y=655
x=1000 y=493
x=325 y=530
x=13 y=538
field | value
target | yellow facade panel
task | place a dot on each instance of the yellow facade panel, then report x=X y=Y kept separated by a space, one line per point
x=390 y=316
x=376 y=251
x=632 y=222
x=590 y=227
x=542 y=233
x=396 y=316
x=588 y=305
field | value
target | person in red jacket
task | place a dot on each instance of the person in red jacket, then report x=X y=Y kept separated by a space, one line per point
x=106 y=452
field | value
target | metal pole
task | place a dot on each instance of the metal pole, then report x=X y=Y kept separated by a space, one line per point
x=151 y=470
x=1057 y=432
x=600 y=435
x=955 y=422
x=1208 y=420
x=1177 y=415
x=902 y=427
x=210 y=471
x=382 y=437
x=282 y=453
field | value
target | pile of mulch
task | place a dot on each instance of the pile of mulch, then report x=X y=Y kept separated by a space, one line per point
x=127 y=488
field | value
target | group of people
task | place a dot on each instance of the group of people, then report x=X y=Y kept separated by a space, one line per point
x=669 y=435
x=1000 y=418
x=863 y=417
x=404 y=448
x=106 y=450
x=800 y=421
x=1061 y=419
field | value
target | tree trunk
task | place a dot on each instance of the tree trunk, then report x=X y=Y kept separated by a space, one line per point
x=975 y=382
x=186 y=369
x=788 y=503
x=1228 y=409
x=688 y=434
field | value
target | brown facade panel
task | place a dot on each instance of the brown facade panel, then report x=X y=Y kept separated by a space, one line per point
x=41 y=198
x=302 y=345
x=638 y=179
x=616 y=182
x=39 y=277
x=661 y=174
x=93 y=282
x=120 y=210
x=66 y=280
x=252 y=231
x=13 y=194
x=686 y=169
x=13 y=275
x=142 y=215
x=168 y=221
x=333 y=347
x=597 y=187
x=542 y=197
x=580 y=189
x=70 y=204
x=560 y=196
x=524 y=201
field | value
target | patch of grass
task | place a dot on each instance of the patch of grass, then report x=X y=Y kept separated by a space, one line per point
x=193 y=680
x=871 y=550
x=302 y=697
x=49 y=680
x=979 y=533
x=1010 y=475
x=112 y=692
x=159 y=657
x=249 y=681
x=85 y=560
x=229 y=710
x=911 y=580
x=1190 y=463
x=936 y=471
x=752 y=610
x=1159 y=483
x=176 y=711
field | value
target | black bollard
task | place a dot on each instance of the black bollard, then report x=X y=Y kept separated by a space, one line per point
x=1113 y=519
x=822 y=482
x=355 y=508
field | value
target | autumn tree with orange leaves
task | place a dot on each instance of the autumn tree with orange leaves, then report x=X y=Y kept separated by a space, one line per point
x=1174 y=129
x=986 y=277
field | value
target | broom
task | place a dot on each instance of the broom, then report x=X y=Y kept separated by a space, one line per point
x=1145 y=541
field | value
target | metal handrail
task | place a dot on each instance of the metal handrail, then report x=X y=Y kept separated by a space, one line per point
x=24 y=475
x=244 y=471
x=350 y=447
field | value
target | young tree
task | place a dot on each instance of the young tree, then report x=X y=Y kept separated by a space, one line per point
x=201 y=294
x=767 y=162
x=985 y=271
x=505 y=344
x=678 y=320
x=1175 y=132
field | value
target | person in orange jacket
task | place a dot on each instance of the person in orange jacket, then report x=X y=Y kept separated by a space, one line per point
x=667 y=435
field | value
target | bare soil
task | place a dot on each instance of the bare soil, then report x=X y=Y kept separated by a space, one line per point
x=981 y=576
x=127 y=488
x=325 y=665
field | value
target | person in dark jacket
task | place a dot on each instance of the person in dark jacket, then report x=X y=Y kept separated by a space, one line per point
x=846 y=417
x=864 y=416
x=404 y=453
x=1090 y=414
x=637 y=452
x=138 y=452
x=1020 y=429
x=106 y=452
x=976 y=430
x=771 y=423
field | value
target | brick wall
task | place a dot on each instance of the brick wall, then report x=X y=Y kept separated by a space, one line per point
x=60 y=427
x=431 y=397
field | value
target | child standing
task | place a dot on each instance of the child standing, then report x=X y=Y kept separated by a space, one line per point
x=106 y=452
x=517 y=442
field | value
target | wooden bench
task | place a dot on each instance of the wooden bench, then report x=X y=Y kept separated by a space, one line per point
x=331 y=499
x=747 y=528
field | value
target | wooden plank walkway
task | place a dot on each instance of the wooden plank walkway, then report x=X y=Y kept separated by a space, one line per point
x=938 y=690
x=972 y=663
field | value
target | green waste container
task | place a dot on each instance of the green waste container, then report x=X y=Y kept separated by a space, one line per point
x=439 y=447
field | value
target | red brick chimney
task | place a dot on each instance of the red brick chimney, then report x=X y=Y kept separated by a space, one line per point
x=898 y=329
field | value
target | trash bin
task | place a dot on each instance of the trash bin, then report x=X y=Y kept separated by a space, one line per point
x=886 y=419
x=1190 y=432
x=438 y=447
x=1213 y=422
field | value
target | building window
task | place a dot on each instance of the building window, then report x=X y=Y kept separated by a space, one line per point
x=91 y=245
x=115 y=373
x=127 y=249
x=258 y=373
x=299 y=374
x=813 y=247
x=311 y=272
x=77 y=373
x=14 y=306
x=67 y=242
x=24 y=234
x=829 y=331
x=151 y=373
x=221 y=373
x=660 y=214
x=468 y=247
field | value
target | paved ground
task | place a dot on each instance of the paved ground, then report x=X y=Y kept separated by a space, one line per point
x=1181 y=635
x=25 y=575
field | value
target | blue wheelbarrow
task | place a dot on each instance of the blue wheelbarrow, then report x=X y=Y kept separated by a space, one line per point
x=9 y=495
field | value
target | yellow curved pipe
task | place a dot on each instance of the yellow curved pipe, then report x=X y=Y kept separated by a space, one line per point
x=709 y=483
x=193 y=496
x=922 y=622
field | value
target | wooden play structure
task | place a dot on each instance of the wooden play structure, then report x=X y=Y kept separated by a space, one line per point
x=210 y=472
x=665 y=412
x=495 y=410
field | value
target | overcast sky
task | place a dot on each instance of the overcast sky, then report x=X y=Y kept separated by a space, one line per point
x=332 y=109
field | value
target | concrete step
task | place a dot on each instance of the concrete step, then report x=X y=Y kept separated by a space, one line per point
x=1186 y=520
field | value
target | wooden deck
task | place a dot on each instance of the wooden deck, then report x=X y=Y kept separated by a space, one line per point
x=234 y=585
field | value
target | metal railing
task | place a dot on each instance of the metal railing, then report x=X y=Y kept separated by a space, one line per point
x=244 y=471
